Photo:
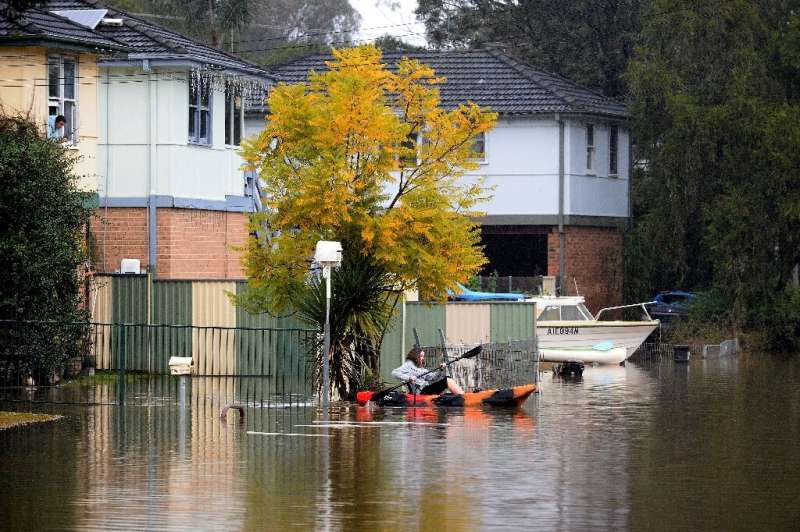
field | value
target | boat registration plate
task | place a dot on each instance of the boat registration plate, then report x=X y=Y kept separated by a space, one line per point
x=562 y=330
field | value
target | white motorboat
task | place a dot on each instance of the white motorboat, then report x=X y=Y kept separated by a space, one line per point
x=567 y=331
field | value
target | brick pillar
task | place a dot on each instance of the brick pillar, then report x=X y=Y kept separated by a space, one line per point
x=594 y=260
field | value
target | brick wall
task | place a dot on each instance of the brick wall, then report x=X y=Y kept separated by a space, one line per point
x=197 y=244
x=118 y=234
x=593 y=259
x=192 y=243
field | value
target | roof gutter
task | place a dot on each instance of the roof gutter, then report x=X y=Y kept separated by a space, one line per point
x=137 y=59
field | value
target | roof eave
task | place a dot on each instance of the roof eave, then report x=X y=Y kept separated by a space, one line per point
x=182 y=61
x=186 y=62
x=64 y=42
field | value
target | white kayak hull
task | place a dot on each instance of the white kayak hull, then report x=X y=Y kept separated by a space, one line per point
x=583 y=335
x=615 y=356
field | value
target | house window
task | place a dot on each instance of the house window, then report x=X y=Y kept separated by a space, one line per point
x=613 y=150
x=233 y=117
x=199 y=112
x=590 y=148
x=62 y=97
x=479 y=147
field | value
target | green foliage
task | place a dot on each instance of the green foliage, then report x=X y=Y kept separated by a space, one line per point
x=390 y=43
x=474 y=283
x=262 y=31
x=13 y=8
x=716 y=116
x=42 y=216
x=584 y=40
x=362 y=302
x=782 y=320
x=491 y=283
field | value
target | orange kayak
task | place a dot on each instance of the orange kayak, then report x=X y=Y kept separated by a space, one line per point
x=504 y=397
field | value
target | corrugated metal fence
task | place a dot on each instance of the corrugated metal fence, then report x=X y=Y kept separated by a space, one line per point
x=205 y=305
x=192 y=319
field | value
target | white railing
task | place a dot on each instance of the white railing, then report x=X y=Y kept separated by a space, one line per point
x=633 y=305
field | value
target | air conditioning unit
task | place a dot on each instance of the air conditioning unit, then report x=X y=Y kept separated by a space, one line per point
x=130 y=266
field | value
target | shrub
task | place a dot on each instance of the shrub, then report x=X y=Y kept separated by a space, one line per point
x=42 y=218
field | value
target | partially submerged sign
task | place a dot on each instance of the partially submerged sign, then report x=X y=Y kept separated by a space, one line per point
x=180 y=365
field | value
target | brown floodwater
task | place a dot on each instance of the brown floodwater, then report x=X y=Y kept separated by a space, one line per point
x=712 y=445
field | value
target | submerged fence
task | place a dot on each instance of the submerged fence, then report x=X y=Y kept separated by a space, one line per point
x=499 y=364
x=247 y=363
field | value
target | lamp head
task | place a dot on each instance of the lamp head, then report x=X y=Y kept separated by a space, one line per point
x=328 y=253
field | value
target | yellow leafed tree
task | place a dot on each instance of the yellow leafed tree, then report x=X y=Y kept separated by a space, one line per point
x=366 y=155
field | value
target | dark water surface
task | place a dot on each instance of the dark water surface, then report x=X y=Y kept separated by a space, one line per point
x=710 y=446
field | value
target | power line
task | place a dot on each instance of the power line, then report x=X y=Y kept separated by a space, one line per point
x=285 y=47
x=314 y=32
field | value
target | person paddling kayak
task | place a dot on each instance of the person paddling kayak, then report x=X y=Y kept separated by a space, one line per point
x=433 y=383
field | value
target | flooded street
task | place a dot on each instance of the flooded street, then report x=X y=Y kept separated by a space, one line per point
x=712 y=445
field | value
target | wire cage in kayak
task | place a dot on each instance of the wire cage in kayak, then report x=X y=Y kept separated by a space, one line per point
x=499 y=365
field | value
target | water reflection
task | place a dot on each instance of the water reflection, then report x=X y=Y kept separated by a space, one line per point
x=709 y=445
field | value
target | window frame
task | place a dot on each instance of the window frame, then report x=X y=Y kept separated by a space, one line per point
x=550 y=308
x=591 y=149
x=196 y=108
x=60 y=100
x=613 y=151
x=230 y=117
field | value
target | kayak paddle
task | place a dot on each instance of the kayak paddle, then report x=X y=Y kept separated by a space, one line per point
x=363 y=397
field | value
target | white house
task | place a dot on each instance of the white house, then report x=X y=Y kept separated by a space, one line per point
x=171 y=191
x=559 y=159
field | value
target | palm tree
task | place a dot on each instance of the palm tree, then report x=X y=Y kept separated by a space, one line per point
x=363 y=300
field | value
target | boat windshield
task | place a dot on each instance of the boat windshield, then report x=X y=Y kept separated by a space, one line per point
x=585 y=311
x=565 y=313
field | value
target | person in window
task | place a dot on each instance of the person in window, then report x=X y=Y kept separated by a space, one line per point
x=431 y=384
x=56 y=128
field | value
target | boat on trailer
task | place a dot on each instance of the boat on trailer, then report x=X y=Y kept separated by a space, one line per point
x=566 y=331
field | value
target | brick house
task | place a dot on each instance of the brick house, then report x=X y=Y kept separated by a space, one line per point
x=558 y=157
x=161 y=120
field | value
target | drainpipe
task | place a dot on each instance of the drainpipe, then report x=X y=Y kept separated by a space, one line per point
x=108 y=157
x=152 y=182
x=561 y=236
x=152 y=167
x=630 y=179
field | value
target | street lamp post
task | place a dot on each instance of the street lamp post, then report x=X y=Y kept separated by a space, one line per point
x=328 y=254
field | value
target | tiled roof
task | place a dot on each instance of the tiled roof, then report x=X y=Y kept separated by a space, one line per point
x=40 y=24
x=139 y=38
x=487 y=77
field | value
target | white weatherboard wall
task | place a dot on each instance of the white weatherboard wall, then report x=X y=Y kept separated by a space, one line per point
x=596 y=193
x=183 y=170
x=522 y=166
